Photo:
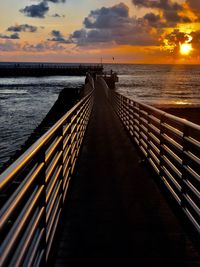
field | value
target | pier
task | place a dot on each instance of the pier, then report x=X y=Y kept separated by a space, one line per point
x=44 y=69
x=114 y=182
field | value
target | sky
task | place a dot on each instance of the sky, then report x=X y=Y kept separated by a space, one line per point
x=88 y=31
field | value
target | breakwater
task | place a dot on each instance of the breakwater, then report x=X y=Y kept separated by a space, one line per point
x=38 y=70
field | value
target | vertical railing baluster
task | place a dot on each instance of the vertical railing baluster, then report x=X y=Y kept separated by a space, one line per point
x=42 y=203
x=162 y=119
x=61 y=162
x=124 y=110
x=148 y=136
x=184 y=164
x=68 y=173
x=76 y=133
x=71 y=146
x=139 y=119
x=127 y=113
x=134 y=104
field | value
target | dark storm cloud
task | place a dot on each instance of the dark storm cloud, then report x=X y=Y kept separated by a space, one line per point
x=36 y=11
x=58 y=37
x=12 y=36
x=169 y=8
x=22 y=28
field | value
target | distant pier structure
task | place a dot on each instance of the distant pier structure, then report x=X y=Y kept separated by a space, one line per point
x=47 y=69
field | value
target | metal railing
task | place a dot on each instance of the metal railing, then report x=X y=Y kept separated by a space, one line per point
x=34 y=189
x=171 y=145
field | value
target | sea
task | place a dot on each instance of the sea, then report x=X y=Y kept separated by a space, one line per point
x=24 y=101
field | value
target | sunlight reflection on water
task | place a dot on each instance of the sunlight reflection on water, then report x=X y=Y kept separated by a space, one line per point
x=166 y=85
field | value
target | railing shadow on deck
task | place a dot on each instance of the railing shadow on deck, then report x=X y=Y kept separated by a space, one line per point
x=172 y=147
x=34 y=189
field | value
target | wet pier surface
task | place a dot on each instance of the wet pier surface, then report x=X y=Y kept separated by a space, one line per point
x=116 y=214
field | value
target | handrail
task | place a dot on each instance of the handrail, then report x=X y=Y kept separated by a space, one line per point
x=172 y=147
x=29 y=153
x=35 y=186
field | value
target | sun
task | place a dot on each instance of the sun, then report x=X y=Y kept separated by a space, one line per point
x=185 y=49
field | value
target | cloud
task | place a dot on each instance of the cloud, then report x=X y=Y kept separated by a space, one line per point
x=154 y=20
x=170 y=10
x=176 y=37
x=9 y=46
x=172 y=41
x=22 y=28
x=194 y=6
x=39 y=10
x=107 y=17
x=161 y=4
x=114 y=25
x=58 y=37
x=42 y=47
x=196 y=41
x=57 y=1
x=36 y=11
x=12 y=36
x=56 y=15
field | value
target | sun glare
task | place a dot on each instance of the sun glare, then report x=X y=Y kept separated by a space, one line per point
x=185 y=48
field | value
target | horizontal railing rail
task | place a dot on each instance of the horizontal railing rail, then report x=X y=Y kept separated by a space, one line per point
x=172 y=147
x=34 y=189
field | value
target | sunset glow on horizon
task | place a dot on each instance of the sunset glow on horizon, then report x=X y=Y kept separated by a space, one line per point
x=131 y=31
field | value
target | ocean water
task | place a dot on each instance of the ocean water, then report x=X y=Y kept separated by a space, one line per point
x=24 y=101
x=160 y=85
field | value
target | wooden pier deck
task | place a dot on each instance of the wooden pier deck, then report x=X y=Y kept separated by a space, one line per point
x=116 y=214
